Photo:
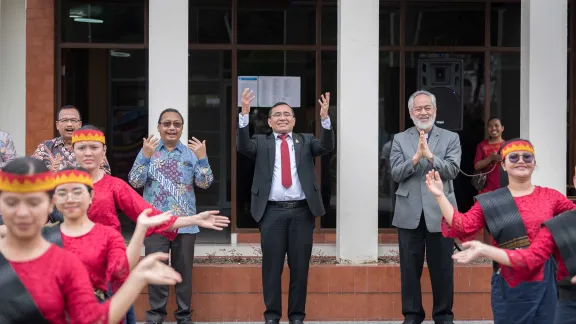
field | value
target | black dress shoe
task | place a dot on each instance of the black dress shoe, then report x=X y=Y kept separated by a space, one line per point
x=272 y=321
x=296 y=322
x=411 y=322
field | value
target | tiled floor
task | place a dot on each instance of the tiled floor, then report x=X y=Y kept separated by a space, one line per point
x=396 y=322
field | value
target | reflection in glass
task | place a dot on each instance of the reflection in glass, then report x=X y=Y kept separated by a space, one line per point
x=102 y=21
x=505 y=91
x=473 y=114
x=389 y=24
x=505 y=24
x=209 y=116
x=454 y=24
x=271 y=22
x=273 y=63
x=389 y=117
x=210 y=21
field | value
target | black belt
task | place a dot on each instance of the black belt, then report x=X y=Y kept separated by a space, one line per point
x=288 y=204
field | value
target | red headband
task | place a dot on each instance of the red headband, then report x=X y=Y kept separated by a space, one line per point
x=26 y=183
x=515 y=146
x=88 y=135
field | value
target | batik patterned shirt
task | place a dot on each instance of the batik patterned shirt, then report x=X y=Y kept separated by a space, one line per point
x=7 y=149
x=56 y=156
x=168 y=178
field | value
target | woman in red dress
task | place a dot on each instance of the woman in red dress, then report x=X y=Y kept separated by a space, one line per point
x=113 y=193
x=487 y=157
x=513 y=216
x=556 y=238
x=43 y=283
x=100 y=248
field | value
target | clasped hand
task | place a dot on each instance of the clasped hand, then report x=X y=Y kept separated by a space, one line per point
x=423 y=149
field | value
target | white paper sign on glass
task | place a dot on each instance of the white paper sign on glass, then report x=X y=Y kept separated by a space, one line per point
x=250 y=82
x=273 y=89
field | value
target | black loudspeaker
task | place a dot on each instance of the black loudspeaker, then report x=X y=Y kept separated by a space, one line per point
x=443 y=78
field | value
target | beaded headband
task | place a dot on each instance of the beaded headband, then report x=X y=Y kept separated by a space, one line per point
x=88 y=135
x=73 y=176
x=519 y=145
x=26 y=183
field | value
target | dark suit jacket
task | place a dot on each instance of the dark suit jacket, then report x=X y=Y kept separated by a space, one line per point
x=262 y=149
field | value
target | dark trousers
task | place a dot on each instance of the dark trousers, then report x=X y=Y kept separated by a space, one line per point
x=414 y=245
x=286 y=231
x=181 y=258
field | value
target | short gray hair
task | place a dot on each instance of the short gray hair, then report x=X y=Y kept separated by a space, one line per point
x=416 y=94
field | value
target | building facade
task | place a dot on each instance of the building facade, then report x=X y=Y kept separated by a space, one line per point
x=121 y=62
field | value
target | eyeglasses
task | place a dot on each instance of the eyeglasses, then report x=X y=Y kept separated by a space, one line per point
x=167 y=124
x=515 y=157
x=69 y=120
x=62 y=196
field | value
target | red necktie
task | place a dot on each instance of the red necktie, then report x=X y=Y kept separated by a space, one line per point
x=285 y=161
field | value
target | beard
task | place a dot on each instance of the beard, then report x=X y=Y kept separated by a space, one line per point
x=422 y=126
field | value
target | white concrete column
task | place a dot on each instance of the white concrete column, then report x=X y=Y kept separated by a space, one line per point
x=543 y=96
x=167 y=60
x=13 y=71
x=357 y=131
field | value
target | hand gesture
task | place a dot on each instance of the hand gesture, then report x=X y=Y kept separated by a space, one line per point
x=146 y=221
x=496 y=157
x=247 y=98
x=434 y=183
x=211 y=219
x=324 y=105
x=149 y=146
x=199 y=148
x=472 y=252
x=426 y=153
x=154 y=272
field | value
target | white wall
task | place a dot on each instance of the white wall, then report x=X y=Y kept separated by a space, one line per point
x=543 y=94
x=357 y=130
x=168 y=60
x=13 y=71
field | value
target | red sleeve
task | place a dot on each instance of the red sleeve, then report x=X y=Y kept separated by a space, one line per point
x=561 y=202
x=132 y=204
x=117 y=264
x=464 y=225
x=534 y=257
x=81 y=305
x=479 y=153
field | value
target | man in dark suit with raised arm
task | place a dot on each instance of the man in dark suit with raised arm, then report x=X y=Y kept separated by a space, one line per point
x=285 y=200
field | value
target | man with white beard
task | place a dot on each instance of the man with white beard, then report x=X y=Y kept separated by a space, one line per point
x=417 y=215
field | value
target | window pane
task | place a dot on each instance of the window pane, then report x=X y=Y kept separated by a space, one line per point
x=505 y=24
x=273 y=63
x=209 y=116
x=210 y=22
x=389 y=24
x=454 y=24
x=472 y=97
x=389 y=117
x=272 y=22
x=505 y=91
x=103 y=21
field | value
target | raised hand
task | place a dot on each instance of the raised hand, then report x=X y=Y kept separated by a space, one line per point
x=199 y=148
x=324 y=102
x=472 y=252
x=152 y=270
x=211 y=219
x=434 y=183
x=247 y=98
x=146 y=221
x=149 y=146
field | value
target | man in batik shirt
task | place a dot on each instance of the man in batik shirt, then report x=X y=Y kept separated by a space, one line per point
x=168 y=171
x=7 y=149
x=57 y=153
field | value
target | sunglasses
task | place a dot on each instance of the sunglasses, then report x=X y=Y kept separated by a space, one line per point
x=167 y=124
x=515 y=157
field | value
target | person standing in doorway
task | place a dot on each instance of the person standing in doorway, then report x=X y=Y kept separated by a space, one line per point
x=285 y=200
x=57 y=153
x=417 y=215
x=168 y=171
